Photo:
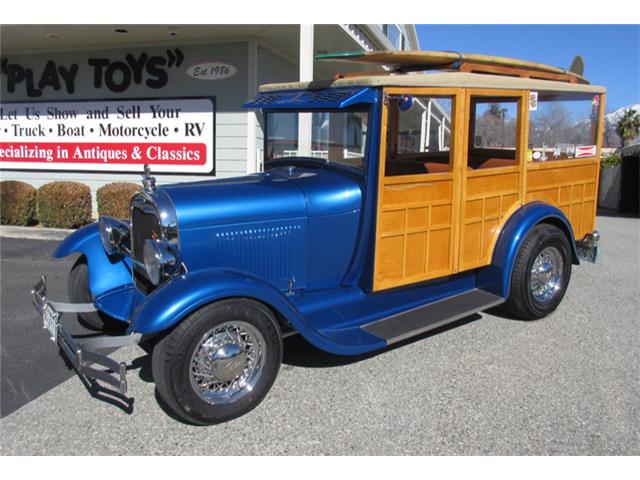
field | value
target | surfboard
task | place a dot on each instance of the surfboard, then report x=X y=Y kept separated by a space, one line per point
x=404 y=61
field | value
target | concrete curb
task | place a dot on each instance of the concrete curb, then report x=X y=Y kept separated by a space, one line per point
x=34 y=233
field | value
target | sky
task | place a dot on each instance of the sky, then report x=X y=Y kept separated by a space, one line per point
x=611 y=52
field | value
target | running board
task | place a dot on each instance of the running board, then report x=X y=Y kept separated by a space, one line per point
x=433 y=315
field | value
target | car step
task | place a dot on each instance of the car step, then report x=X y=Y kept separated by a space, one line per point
x=433 y=315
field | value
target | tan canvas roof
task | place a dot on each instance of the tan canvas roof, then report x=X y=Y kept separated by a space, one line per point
x=440 y=79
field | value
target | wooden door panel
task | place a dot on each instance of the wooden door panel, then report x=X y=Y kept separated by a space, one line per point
x=415 y=193
x=489 y=199
x=481 y=226
x=415 y=231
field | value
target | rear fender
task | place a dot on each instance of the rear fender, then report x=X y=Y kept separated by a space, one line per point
x=105 y=273
x=496 y=278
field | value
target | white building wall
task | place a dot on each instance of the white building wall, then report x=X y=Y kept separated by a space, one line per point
x=275 y=66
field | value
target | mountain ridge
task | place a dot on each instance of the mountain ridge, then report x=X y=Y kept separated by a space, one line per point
x=614 y=116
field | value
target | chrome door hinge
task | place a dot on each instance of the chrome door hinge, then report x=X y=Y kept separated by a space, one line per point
x=290 y=285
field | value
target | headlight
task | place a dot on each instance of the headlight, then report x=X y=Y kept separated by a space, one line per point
x=115 y=235
x=159 y=261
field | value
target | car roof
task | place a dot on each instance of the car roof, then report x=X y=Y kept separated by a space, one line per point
x=439 y=79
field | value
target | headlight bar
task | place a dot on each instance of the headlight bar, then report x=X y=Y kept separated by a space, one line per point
x=160 y=260
x=115 y=236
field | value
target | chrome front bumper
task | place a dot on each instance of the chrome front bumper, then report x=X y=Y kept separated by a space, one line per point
x=587 y=248
x=82 y=355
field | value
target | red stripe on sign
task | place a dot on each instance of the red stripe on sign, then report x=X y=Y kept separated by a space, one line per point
x=588 y=151
x=105 y=153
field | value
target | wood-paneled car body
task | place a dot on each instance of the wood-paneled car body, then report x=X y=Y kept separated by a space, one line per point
x=390 y=204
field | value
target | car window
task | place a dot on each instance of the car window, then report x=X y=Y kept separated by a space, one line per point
x=418 y=135
x=563 y=126
x=334 y=136
x=493 y=132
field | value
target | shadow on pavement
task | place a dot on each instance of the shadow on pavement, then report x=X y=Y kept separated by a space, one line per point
x=300 y=353
x=108 y=395
x=100 y=392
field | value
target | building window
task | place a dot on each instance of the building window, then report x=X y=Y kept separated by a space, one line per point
x=394 y=35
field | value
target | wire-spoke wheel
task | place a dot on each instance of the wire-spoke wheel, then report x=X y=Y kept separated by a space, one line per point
x=546 y=275
x=541 y=273
x=228 y=362
x=219 y=362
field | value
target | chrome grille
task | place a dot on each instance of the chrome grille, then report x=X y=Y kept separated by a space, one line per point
x=144 y=225
x=153 y=216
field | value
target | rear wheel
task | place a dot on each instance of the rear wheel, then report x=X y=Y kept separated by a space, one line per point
x=220 y=362
x=79 y=292
x=541 y=273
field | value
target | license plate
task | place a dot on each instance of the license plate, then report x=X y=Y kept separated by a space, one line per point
x=50 y=322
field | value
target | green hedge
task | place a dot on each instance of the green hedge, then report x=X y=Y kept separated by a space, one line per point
x=611 y=160
x=64 y=204
x=114 y=199
x=17 y=203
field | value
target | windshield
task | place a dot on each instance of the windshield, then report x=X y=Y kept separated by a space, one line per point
x=338 y=137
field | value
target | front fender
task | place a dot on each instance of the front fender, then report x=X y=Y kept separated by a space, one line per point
x=105 y=273
x=496 y=278
x=169 y=304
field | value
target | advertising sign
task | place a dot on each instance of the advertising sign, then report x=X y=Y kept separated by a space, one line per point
x=173 y=135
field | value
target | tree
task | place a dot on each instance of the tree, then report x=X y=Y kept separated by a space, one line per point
x=628 y=127
x=494 y=128
x=610 y=137
x=551 y=125
x=495 y=109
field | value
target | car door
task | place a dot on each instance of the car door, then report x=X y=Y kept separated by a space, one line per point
x=492 y=179
x=419 y=185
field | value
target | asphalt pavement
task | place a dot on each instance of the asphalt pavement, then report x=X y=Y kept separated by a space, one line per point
x=567 y=384
x=30 y=367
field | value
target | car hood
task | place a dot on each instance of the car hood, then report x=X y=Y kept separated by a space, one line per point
x=287 y=192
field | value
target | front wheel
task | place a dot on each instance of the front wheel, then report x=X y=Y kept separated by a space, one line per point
x=541 y=273
x=220 y=362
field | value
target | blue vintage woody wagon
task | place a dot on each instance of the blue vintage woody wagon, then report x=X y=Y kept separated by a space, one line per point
x=391 y=204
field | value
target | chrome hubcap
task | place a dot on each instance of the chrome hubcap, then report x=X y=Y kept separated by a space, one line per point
x=546 y=274
x=227 y=362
